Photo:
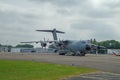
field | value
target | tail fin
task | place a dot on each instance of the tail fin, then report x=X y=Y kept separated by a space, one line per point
x=54 y=32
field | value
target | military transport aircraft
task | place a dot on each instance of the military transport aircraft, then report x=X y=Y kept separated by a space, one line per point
x=64 y=47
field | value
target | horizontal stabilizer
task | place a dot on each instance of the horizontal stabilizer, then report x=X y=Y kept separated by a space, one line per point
x=59 y=31
x=54 y=30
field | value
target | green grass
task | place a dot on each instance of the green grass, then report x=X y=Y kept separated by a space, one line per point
x=29 y=70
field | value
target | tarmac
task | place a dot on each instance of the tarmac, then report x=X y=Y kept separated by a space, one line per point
x=108 y=66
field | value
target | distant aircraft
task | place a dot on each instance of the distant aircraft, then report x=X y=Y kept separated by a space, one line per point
x=116 y=54
x=69 y=46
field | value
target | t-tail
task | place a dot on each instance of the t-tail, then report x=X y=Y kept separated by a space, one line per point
x=54 y=32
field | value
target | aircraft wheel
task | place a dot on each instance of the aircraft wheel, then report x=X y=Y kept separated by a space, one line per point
x=61 y=53
x=73 y=54
x=82 y=53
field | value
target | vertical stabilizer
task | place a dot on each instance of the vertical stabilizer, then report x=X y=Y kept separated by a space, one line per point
x=54 y=32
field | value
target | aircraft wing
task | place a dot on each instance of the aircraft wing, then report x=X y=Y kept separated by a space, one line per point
x=32 y=42
x=39 y=42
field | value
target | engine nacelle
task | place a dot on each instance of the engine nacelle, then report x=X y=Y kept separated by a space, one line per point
x=43 y=44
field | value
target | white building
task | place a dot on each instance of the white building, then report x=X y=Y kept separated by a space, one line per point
x=111 y=51
x=31 y=50
x=4 y=49
x=22 y=50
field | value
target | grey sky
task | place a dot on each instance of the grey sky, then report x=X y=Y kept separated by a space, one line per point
x=80 y=19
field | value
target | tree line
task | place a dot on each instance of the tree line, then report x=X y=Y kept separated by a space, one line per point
x=18 y=46
x=109 y=44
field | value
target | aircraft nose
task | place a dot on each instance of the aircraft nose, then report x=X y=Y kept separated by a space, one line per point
x=88 y=47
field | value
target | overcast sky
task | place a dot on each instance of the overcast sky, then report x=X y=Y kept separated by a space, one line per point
x=80 y=19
